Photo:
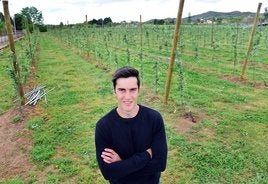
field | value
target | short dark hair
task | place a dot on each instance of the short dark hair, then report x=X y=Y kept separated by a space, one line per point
x=125 y=72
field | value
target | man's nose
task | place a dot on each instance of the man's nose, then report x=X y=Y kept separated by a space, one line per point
x=127 y=94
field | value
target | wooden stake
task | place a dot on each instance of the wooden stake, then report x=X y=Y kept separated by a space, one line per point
x=141 y=32
x=141 y=50
x=251 y=41
x=173 y=52
x=29 y=36
x=13 y=50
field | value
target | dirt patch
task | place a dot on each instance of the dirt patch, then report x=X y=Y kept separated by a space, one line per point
x=259 y=65
x=189 y=126
x=260 y=85
x=186 y=122
x=15 y=144
x=92 y=60
x=149 y=98
x=235 y=79
x=244 y=107
x=239 y=80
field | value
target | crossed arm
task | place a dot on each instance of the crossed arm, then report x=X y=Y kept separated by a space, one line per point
x=109 y=156
x=147 y=162
x=114 y=167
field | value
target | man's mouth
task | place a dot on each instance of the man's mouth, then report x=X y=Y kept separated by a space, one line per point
x=127 y=102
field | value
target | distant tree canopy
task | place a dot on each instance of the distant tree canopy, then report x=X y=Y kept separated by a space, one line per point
x=162 y=21
x=100 y=22
x=107 y=21
x=265 y=14
x=19 y=21
x=2 y=22
x=219 y=20
x=33 y=15
x=189 y=19
x=159 y=21
x=2 y=18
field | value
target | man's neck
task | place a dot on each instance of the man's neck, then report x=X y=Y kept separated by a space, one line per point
x=128 y=114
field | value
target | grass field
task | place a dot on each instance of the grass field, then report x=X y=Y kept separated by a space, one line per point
x=228 y=144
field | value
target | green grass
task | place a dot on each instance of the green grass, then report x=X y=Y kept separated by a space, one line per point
x=228 y=145
x=66 y=139
x=7 y=91
x=16 y=119
x=15 y=180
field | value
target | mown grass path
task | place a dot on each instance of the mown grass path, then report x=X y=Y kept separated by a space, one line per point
x=64 y=142
x=227 y=145
x=64 y=130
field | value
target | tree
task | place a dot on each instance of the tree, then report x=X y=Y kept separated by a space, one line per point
x=219 y=20
x=158 y=21
x=2 y=18
x=107 y=21
x=100 y=22
x=19 y=21
x=93 y=21
x=2 y=27
x=2 y=23
x=42 y=28
x=189 y=19
x=265 y=14
x=33 y=15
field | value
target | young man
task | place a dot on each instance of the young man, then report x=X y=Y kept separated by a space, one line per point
x=130 y=140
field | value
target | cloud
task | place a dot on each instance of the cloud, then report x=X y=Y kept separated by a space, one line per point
x=208 y=1
x=55 y=10
x=80 y=3
x=74 y=11
x=110 y=1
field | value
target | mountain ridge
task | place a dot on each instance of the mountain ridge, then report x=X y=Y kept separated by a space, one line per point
x=209 y=15
x=214 y=14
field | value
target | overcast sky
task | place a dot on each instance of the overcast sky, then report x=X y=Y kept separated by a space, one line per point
x=74 y=11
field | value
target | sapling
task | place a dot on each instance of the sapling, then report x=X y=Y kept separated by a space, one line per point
x=234 y=44
x=254 y=51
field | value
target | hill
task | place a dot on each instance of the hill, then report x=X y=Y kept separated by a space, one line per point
x=223 y=16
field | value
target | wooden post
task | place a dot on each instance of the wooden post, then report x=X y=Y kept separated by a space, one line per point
x=29 y=36
x=141 y=32
x=251 y=41
x=173 y=52
x=212 y=34
x=13 y=50
x=141 y=50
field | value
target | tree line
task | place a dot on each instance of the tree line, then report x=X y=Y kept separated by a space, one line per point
x=30 y=15
x=105 y=21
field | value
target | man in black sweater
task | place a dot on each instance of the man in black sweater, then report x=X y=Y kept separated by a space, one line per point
x=130 y=140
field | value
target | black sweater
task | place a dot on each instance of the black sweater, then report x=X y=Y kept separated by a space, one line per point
x=130 y=138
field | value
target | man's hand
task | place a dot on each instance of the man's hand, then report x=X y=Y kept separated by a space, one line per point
x=150 y=152
x=110 y=156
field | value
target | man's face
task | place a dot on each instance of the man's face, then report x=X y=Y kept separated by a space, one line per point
x=127 y=92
